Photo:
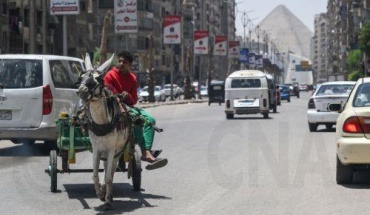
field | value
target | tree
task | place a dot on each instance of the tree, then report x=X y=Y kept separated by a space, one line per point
x=353 y=59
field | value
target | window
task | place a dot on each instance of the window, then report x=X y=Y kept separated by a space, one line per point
x=20 y=73
x=65 y=74
x=245 y=83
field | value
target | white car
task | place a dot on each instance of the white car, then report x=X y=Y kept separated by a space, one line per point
x=318 y=113
x=176 y=90
x=204 y=91
x=352 y=136
x=34 y=90
x=159 y=94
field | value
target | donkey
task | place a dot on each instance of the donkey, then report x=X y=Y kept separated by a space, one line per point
x=108 y=128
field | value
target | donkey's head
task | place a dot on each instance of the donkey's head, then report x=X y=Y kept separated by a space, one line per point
x=91 y=82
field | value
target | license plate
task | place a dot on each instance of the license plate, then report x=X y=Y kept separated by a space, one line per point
x=5 y=114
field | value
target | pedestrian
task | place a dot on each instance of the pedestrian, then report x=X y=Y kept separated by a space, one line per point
x=120 y=80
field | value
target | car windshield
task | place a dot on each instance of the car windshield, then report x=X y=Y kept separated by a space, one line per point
x=20 y=73
x=334 y=89
x=246 y=83
x=362 y=97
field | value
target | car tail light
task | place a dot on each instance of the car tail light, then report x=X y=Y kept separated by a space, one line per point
x=357 y=125
x=311 y=104
x=47 y=100
x=264 y=102
x=228 y=103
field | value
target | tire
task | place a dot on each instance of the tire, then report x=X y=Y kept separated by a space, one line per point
x=136 y=171
x=328 y=126
x=312 y=127
x=344 y=173
x=53 y=171
x=289 y=100
x=229 y=116
x=265 y=115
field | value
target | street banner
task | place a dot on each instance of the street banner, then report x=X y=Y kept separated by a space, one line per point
x=125 y=16
x=200 y=42
x=243 y=55
x=64 y=7
x=234 y=49
x=259 y=61
x=172 y=29
x=251 y=60
x=220 y=48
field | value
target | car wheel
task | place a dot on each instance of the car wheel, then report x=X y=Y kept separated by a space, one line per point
x=289 y=100
x=312 y=126
x=229 y=116
x=328 y=126
x=265 y=115
x=344 y=173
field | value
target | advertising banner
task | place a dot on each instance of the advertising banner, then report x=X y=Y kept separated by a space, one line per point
x=234 y=49
x=243 y=55
x=200 y=42
x=64 y=7
x=220 y=48
x=172 y=29
x=259 y=61
x=251 y=60
x=125 y=16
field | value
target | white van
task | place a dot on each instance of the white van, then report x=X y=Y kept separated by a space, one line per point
x=249 y=92
x=34 y=90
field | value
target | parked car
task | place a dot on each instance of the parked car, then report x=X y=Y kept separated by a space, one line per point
x=284 y=92
x=328 y=93
x=204 y=91
x=159 y=94
x=34 y=90
x=352 y=135
x=176 y=90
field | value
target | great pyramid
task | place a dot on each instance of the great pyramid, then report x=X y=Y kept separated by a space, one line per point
x=287 y=31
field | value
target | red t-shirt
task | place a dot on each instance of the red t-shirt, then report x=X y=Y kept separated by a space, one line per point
x=118 y=82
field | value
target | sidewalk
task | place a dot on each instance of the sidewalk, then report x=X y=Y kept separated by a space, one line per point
x=168 y=102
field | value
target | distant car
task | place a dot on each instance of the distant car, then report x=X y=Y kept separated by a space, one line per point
x=159 y=94
x=293 y=89
x=352 y=136
x=328 y=93
x=303 y=87
x=284 y=92
x=204 y=91
x=176 y=90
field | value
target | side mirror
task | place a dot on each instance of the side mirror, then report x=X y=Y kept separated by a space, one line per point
x=335 y=107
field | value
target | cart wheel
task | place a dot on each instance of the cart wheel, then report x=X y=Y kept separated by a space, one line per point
x=136 y=171
x=53 y=171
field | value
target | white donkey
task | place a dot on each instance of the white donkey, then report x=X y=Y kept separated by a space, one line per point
x=108 y=128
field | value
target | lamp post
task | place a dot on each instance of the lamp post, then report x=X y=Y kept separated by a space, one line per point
x=258 y=32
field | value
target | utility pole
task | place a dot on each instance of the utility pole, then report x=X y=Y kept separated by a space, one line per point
x=104 y=37
x=32 y=28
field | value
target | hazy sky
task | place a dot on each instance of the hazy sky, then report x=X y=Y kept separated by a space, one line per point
x=257 y=10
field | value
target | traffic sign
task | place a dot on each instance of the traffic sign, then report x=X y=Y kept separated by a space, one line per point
x=64 y=7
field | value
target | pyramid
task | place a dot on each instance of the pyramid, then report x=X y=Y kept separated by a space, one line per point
x=287 y=31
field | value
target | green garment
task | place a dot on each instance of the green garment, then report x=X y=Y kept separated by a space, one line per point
x=144 y=135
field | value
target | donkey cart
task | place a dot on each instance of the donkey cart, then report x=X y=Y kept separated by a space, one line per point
x=72 y=140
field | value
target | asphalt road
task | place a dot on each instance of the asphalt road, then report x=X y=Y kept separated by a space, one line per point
x=248 y=165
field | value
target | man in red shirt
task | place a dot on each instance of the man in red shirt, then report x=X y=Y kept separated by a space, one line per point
x=121 y=81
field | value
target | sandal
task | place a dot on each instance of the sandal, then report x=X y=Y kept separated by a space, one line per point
x=158 y=163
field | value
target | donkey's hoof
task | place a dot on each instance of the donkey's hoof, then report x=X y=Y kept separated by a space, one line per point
x=107 y=206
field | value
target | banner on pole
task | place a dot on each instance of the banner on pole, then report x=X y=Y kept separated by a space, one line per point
x=172 y=29
x=243 y=55
x=234 y=49
x=200 y=42
x=220 y=47
x=65 y=7
x=125 y=16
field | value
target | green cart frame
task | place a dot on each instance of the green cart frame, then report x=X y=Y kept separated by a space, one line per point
x=72 y=140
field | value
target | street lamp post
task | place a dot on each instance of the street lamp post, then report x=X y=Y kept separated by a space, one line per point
x=258 y=32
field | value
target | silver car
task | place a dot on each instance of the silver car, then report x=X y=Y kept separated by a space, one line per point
x=34 y=90
x=328 y=93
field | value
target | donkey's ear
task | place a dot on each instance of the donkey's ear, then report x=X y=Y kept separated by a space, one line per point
x=88 y=63
x=105 y=66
